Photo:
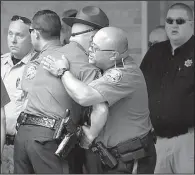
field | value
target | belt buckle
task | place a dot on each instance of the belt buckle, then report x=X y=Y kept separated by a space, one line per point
x=50 y=123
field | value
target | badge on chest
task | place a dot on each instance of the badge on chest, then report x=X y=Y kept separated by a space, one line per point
x=31 y=72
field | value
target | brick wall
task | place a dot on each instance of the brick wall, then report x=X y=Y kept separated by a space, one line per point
x=123 y=14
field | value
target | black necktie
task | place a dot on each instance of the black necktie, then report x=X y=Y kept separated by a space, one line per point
x=14 y=60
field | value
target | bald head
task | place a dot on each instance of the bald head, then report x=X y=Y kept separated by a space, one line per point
x=157 y=35
x=112 y=38
x=109 y=47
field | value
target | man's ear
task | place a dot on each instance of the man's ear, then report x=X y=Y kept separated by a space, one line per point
x=114 y=55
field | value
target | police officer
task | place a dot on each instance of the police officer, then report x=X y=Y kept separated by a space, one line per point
x=47 y=99
x=12 y=68
x=168 y=68
x=126 y=134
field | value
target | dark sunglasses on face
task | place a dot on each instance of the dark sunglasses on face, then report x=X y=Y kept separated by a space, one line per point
x=179 y=21
x=23 y=19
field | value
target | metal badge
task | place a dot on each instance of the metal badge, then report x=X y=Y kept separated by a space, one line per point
x=188 y=63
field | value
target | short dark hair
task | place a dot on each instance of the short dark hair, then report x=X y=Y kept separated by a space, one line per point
x=184 y=7
x=25 y=20
x=48 y=22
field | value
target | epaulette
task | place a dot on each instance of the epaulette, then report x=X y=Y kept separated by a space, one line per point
x=6 y=55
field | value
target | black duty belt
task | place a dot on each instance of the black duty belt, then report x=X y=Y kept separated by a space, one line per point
x=29 y=119
x=9 y=139
x=133 y=148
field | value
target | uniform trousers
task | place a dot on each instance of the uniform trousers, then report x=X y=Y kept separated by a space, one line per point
x=34 y=151
x=176 y=154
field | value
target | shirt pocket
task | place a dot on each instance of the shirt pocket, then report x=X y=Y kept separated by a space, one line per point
x=184 y=72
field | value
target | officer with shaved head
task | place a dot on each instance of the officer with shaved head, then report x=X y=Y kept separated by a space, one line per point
x=127 y=132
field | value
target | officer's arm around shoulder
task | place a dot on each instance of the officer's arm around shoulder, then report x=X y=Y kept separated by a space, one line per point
x=82 y=93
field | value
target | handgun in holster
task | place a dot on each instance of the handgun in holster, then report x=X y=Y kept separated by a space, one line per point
x=68 y=133
x=105 y=156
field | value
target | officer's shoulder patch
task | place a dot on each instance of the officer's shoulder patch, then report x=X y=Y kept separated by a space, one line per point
x=113 y=75
x=31 y=71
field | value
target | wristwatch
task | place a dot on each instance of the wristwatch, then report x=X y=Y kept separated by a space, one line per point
x=61 y=72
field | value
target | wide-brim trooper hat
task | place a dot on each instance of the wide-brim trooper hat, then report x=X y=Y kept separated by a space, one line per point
x=90 y=15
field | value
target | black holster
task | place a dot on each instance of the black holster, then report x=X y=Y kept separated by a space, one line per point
x=133 y=149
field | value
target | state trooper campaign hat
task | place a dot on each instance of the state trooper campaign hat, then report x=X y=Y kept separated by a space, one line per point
x=90 y=15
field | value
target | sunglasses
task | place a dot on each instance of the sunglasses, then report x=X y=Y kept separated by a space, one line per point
x=95 y=48
x=179 y=21
x=79 y=33
x=23 y=19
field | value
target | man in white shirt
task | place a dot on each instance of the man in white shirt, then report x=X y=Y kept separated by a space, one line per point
x=12 y=67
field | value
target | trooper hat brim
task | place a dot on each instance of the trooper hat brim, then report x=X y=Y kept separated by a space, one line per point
x=72 y=20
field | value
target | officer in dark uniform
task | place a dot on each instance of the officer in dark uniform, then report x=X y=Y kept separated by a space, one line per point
x=47 y=99
x=127 y=133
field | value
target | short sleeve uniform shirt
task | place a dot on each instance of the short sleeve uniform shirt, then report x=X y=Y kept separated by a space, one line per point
x=47 y=96
x=124 y=89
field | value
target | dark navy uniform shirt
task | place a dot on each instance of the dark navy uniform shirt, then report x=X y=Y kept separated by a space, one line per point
x=170 y=82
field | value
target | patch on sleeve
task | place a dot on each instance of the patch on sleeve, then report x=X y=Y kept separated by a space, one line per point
x=113 y=75
x=31 y=72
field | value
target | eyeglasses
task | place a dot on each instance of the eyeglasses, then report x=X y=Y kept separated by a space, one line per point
x=150 y=44
x=95 y=48
x=179 y=21
x=30 y=30
x=23 y=19
x=79 y=33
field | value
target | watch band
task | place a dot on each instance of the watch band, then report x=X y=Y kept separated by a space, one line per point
x=62 y=71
